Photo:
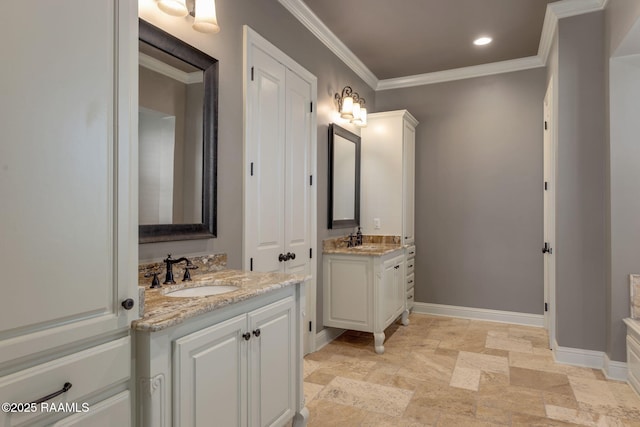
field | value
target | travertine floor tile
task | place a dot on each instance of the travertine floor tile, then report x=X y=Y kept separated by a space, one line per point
x=441 y=371
x=371 y=397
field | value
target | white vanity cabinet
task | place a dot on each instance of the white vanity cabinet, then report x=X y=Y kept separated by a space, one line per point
x=68 y=185
x=236 y=366
x=365 y=292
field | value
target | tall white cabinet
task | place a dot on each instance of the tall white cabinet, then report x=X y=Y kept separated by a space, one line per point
x=68 y=185
x=280 y=198
x=387 y=204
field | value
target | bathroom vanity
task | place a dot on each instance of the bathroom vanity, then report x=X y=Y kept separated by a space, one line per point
x=231 y=359
x=364 y=286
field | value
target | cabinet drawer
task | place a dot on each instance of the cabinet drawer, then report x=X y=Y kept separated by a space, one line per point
x=410 y=299
x=411 y=252
x=410 y=281
x=410 y=266
x=88 y=371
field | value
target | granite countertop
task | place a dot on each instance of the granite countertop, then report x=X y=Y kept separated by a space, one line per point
x=371 y=246
x=162 y=311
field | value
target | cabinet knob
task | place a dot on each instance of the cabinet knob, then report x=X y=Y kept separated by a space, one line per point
x=246 y=336
x=256 y=332
x=282 y=257
x=290 y=255
x=128 y=304
x=396 y=267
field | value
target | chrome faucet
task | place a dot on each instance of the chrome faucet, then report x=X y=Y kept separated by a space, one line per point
x=169 y=263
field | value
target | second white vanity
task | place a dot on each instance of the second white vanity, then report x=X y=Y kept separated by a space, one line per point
x=364 y=286
x=233 y=359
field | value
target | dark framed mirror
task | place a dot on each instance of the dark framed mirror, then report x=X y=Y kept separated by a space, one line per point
x=177 y=134
x=344 y=178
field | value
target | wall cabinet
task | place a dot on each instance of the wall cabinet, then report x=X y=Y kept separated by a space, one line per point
x=388 y=175
x=240 y=365
x=68 y=184
x=365 y=293
x=280 y=198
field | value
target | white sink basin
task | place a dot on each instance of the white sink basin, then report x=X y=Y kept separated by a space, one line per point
x=203 y=291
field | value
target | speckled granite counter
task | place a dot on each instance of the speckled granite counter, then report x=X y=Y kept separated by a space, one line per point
x=371 y=245
x=162 y=311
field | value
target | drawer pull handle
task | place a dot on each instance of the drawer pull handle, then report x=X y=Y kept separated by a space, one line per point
x=411 y=266
x=410 y=297
x=410 y=281
x=412 y=253
x=65 y=388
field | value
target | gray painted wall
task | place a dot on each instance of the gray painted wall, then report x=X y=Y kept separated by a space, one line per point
x=622 y=82
x=478 y=189
x=580 y=213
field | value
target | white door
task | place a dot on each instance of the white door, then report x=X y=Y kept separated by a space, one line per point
x=280 y=196
x=272 y=348
x=265 y=156
x=549 y=216
x=68 y=242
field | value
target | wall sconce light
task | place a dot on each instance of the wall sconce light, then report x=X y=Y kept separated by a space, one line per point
x=203 y=12
x=351 y=106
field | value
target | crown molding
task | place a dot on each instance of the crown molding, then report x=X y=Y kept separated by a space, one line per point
x=555 y=11
x=309 y=19
x=462 y=73
x=167 y=70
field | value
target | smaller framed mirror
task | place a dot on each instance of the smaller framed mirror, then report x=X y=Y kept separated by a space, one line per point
x=344 y=178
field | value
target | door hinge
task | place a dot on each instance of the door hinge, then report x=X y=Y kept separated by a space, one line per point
x=251 y=264
x=251 y=73
x=310 y=326
x=310 y=179
x=251 y=168
x=545 y=125
x=546 y=307
x=546 y=186
x=310 y=252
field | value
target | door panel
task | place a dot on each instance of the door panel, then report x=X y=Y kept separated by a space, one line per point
x=265 y=150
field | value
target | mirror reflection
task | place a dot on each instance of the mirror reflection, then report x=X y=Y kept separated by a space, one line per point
x=344 y=174
x=171 y=94
x=177 y=129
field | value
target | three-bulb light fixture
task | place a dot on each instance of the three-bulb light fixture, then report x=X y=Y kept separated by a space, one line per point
x=203 y=12
x=351 y=107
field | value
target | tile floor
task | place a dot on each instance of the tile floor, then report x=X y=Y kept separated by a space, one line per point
x=441 y=371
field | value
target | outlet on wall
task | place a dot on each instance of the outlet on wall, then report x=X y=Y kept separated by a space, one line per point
x=376 y=223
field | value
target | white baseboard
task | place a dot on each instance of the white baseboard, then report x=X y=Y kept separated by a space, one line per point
x=327 y=335
x=591 y=359
x=480 y=314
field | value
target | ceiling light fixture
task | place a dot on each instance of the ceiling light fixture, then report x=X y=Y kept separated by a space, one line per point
x=481 y=41
x=351 y=107
x=203 y=12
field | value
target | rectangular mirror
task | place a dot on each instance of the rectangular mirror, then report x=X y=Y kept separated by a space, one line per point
x=344 y=178
x=177 y=138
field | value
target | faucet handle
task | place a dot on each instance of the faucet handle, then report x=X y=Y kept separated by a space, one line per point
x=187 y=274
x=155 y=283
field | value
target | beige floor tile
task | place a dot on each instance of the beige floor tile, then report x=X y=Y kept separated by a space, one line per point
x=323 y=413
x=311 y=391
x=467 y=378
x=581 y=417
x=512 y=399
x=483 y=362
x=594 y=393
x=309 y=366
x=493 y=415
x=454 y=420
x=540 y=380
x=370 y=397
x=527 y=420
x=427 y=365
x=509 y=344
x=380 y=420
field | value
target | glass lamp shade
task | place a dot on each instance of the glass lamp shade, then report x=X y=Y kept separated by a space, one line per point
x=205 y=19
x=173 y=7
x=356 y=112
x=362 y=119
x=347 y=108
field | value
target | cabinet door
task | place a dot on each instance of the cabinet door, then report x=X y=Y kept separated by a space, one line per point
x=265 y=183
x=408 y=178
x=273 y=364
x=69 y=240
x=115 y=411
x=210 y=369
x=392 y=292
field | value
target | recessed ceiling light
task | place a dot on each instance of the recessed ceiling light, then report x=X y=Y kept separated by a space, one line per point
x=482 y=41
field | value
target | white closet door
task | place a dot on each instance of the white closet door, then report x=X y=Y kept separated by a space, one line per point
x=298 y=158
x=65 y=205
x=266 y=162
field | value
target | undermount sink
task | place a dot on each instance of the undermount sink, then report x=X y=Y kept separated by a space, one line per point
x=203 y=291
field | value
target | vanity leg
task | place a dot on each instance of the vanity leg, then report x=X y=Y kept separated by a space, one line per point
x=301 y=418
x=378 y=338
x=405 y=317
